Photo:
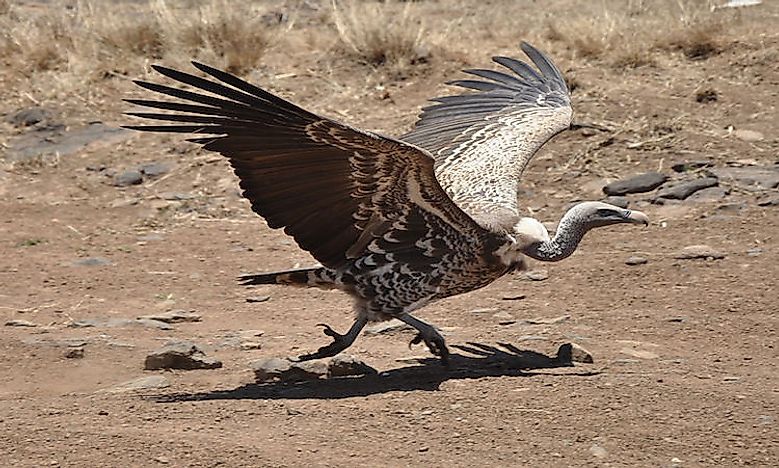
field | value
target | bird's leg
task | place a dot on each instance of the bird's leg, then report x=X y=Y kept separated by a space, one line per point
x=427 y=333
x=340 y=342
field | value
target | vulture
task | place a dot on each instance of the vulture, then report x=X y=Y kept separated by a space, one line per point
x=396 y=223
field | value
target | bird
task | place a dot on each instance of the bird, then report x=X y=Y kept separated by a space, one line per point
x=395 y=223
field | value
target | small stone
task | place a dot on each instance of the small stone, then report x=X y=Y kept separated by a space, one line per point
x=388 y=327
x=516 y=297
x=547 y=321
x=748 y=135
x=162 y=460
x=754 y=252
x=598 y=452
x=92 y=261
x=20 y=323
x=74 y=353
x=636 y=260
x=269 y=369
x=731 y=208
x=255 y=299
x=731 y=379
x=709 y=195
x=572 y=352
x=683 y=190
x=641 y=354
x=180 y=355
x=675 y=319
x=691 y=165
x=705 y=96
x=127 y=178
x=143 y=383
x=692 y=252
x=769 y=201
x=485 y=310
x=27 y=117
x=343 y=365
x=638 y=184
x=155 y=169
x=621 y=202
x=537 y=275
x=174 y=316
x=251 y=345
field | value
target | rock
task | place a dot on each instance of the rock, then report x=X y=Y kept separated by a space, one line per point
x=748 y=135
x=504 y=318
x=288 y=371
x=731 y=208
x=769 y=201
x=176 y=196
x=174 y=316
x=250 y=345
x=27 y=117
x=706 y=96
x=691 y=165
x=683 y=190
x=20 y=323
x=74 y=353
x=120 y=323
x=155 y=169
x=181 y=355
x=709 y=195
x=750 y=177
x=638 y=184
x=641 y=354
x=598 y=452
x=754 y=252
x=514 y=297
x=255 y=299
x=386 y=328
x=636 y=260
x=547 y=321
x=127 y=178
x=343 y=365
x=572 y=352
x=92 y=261
x=621 y=202
x=699 y=251
x=537 y=275
x=143 y=383
x=63 y=141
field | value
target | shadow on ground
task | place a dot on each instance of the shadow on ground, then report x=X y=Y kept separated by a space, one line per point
x=426 y=375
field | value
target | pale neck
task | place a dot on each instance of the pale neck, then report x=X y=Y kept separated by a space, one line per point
x=570 y=232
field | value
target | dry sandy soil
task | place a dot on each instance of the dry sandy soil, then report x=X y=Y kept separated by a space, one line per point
x=685 y=351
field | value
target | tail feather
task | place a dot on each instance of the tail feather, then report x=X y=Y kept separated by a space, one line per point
x=296 y=277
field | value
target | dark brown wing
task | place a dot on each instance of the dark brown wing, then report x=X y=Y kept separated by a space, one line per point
x=333 y=188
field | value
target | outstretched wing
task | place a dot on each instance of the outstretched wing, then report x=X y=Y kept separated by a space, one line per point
x=482 y=141
x=333 y=188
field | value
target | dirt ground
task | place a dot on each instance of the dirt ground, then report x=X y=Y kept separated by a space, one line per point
x=685 y=351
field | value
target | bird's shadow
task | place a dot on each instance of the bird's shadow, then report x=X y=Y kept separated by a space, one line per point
x=503 y=360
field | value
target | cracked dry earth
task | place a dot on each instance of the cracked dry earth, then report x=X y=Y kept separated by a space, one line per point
x=685 y=350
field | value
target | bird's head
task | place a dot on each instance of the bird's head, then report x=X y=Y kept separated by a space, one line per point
x=595 y=214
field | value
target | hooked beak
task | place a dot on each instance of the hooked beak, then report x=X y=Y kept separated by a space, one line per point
x=637 y=217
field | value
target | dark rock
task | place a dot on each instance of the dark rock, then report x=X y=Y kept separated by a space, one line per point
x=706 y=96
x=63 y=141
x=709 y=195
x=636 y=260
x=683 y=190
x=691 y=165
x=174 y=316
x=515 y=297
x=74 y=353
x=27 y=117
x=751 y=177
x=127 y=178
x=638 y=184
x=20 y=323
x=155 y=169
x=343 y=365
x=92 y=261
x=183 y=355
x=621 y=202
x=699 y=251
x=571 y=352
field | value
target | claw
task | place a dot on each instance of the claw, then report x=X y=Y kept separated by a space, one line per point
x=416 y=340
x=329 y=331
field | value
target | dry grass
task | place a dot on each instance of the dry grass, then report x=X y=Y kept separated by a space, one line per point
x=630 y=34
x=385 y=34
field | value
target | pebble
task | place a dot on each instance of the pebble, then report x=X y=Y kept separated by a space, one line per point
x=143 y=383
x=754 y=252
x=699 y=251
x=683 y=190
x=174 y=316
x=180 y=355
x=638 y=184
x=691 y=165
x=92 y=261
x=127 y=178
x=537 y=275
x=769 y=201
x=74 y=353
x=120 y=323
x=517 y=297
x=636 y=260
x=155 y=169
x=572 y=352
x=343 y=365
x=255 y=299
x=547 y=321
x=20 y=323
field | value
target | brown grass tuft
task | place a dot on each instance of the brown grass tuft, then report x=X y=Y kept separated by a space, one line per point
x=383 y=34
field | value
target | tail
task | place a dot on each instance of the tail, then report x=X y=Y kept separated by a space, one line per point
x=315 y=276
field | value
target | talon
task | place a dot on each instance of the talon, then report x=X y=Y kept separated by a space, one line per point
x=329 y=331
x=416 y=340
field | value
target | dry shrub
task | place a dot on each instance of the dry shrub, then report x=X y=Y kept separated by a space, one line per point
x=383 y=34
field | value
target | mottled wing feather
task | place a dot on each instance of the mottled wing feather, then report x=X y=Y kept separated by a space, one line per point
x=338 y=191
